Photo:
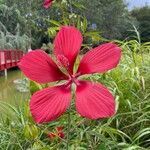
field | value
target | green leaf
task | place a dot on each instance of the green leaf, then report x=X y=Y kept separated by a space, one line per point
x=54 y=22
x=101 y=147
x=34 y=87
x=31 y=132
x=84 y=25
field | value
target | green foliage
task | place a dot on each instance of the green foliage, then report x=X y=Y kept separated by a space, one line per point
x=13 y=41
x=111 y=17
x=10 y=34
x=10 y=17
x=69 y=15
x=143 y=17
x=34 y=87
x=28 y=14
x=80 y=23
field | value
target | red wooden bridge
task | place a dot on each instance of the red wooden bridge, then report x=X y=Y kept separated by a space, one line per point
x=9 y=58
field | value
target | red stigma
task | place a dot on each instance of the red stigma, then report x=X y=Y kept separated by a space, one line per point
x=63 y=61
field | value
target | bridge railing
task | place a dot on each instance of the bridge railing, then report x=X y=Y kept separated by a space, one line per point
x=9 y=58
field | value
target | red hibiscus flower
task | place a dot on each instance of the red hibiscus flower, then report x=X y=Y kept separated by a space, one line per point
x=47 y=3
x=58 y=134
x=92 y=100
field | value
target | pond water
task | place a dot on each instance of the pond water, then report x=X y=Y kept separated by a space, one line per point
x=8 y=91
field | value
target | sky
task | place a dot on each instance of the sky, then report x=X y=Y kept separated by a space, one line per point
x=137 y=3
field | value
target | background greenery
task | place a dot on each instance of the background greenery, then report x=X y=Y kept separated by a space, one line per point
x=130 y=82
x=111 y=19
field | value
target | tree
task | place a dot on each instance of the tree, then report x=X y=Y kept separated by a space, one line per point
x=111 y=17
x=11 y=25
x=28 y=14
x=143 y=17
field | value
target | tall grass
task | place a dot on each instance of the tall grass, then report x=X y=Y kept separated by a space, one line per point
x=128 y=130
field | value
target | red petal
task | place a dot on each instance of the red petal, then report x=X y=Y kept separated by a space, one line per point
x=100 y=59
x=68 y=43
x=94 y=101
x=59 y=129
x=49 y=104
x=39 y=67
x=51 y=135
x=61 y=135
x=47 y=3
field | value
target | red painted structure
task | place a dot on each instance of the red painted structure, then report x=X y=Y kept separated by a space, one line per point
x=9 y=58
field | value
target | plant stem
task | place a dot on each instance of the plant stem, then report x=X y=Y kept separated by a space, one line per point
x=68 y=130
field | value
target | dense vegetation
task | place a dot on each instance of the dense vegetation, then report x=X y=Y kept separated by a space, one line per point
x=110 y=18
x=11 y=35
x=129 y=128
x=143 y=17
